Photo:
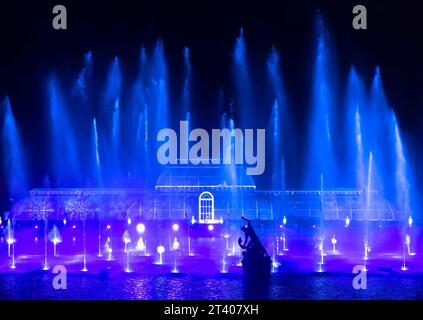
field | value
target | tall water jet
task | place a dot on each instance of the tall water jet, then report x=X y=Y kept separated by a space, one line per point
x=242 y=81
x=280 y=119
x=158 y=81
x=186 y=102
x=402 y=183
x=82 y=84
x=353 y=155
x=96 y=154
x=116 y=126
x=368 y=208
x=320 y=156
x=14 y=168
x=283 y=174
x=140 y=96
x=359 y=144
x=276 y=136
x=65 y=156
x=378 y=127
x=401 y=177
x=274 y=74
x=187 y=88
x=111 y=102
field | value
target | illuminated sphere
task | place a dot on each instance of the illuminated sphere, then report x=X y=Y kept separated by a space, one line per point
x=140 y=228
x=175 y=227
x=160 y=249
x=210 y=227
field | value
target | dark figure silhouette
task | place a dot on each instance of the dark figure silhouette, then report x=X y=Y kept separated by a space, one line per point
x=256 y=261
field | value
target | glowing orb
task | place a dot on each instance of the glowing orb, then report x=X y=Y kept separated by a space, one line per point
x=140 y=228
x=160 y=249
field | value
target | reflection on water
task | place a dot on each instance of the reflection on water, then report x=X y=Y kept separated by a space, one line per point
x=186 y=287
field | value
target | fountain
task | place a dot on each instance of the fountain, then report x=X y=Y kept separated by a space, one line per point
x=126 y=240
x=404 y=267
x=141 y=246
x=160 y=251
x=55 y=238
x=367 y=248
x=322 y=260
x=175 y=244
x=322 y=235
x=129 y=114
x=10 y=239
x=108 y=249
x=186 y=92
x=280 y=120
x=320 y=154
x=175 y=268
x=224 y=264
x=407 y=243
x=347 y=221
x=283 y=238
x=14 y=168
x=334 y=241
x=242 y=80
x=96 y=153
x=64 y=146
x=227 y=236
x=100 y=254
x=189 y=246
x=45 y=267
x=11 y=243
x=84 y=239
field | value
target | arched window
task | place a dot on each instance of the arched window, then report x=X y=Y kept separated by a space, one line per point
x=205 y=207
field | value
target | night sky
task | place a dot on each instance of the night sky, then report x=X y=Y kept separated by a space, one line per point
x=31 y=50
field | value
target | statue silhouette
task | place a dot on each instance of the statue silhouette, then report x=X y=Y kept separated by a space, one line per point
x=256 y=261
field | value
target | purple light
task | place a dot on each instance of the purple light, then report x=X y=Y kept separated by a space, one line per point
x=210 y=227
x=74 y=227
x=175 y=227
x=108 y=226
x=36 y=226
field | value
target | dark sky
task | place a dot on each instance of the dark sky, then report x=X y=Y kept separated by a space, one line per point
x=30 y=49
